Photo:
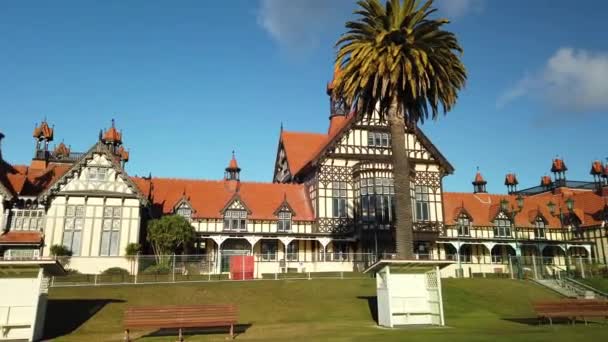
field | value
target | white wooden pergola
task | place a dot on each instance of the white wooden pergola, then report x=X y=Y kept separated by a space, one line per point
x=409 y=292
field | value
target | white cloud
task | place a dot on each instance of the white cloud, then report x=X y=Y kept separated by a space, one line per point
x=458 y=8
x=571 y=80
x=299 y=24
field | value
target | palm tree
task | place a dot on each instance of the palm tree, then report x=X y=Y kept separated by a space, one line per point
x=397 y=61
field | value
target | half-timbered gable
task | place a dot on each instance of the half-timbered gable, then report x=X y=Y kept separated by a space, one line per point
x=94 y=208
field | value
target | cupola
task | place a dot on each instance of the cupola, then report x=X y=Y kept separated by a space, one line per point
x=546 y=182
x=112 y=137
x=479 y=184
x=233 y=170
x=43 y=135
x=511 y=182
x=61 y=151
x=597 y=171
x=558 y=167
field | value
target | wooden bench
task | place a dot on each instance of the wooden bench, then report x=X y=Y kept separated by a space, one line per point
x=180 y=317
x=571 y=309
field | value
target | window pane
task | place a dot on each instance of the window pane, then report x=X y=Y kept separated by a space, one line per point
x=80 y=211
x=70 y=211
x=117 y=212
x=106 y=224
x=114 y=243
x=76 y=243
x=67 y=239
x=105 y=243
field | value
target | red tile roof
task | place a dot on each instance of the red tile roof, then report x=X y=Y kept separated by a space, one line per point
x=483 y=208
x=300 y=148
x=27 y=181
x=20 y=237
x=208 y=198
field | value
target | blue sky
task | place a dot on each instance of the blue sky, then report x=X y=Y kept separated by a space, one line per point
x=190 y=81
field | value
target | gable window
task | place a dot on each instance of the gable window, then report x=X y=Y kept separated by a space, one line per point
x=502 y=226
x=423 y=203
x=72 y=228
x=464 y=225
x=284 y=223
x=110 y=231
x=98 y=174
x=184 y=211
x=377 y=139
x=269 y=250
x=539 y=228
x=27 y=219
x=235 y=220
x=377 y=200
x=339 y=199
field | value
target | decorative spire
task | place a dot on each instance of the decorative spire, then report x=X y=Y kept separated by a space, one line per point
x=233 y=170
x=479 y=184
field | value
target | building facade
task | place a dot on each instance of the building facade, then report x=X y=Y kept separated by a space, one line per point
x=331 y=198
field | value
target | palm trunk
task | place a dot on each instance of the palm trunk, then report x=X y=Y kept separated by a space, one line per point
x=404 y=238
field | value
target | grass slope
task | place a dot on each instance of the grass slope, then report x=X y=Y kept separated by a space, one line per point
x=321 y=310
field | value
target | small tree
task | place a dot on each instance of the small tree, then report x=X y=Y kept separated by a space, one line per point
x=132 y=251
x=168 y=234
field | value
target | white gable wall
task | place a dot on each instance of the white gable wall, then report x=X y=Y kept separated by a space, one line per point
x=80 y=208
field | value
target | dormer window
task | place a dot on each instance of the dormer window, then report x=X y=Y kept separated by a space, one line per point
x=464 y=225
x=235 y=220
x=539 y=228
x=502 y=226
x=284 y=223
x=185 y=211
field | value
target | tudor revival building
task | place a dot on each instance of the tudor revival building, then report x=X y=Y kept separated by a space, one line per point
x=331 y=195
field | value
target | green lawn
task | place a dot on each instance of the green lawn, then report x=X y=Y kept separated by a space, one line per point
x=598 y=283
x=316 y=310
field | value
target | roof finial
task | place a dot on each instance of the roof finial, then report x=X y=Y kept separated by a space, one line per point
x=282 y=129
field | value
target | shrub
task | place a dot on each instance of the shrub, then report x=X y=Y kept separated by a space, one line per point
x=133 y=249
x=60 y=250
x=158 y=269
x=115 y=271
